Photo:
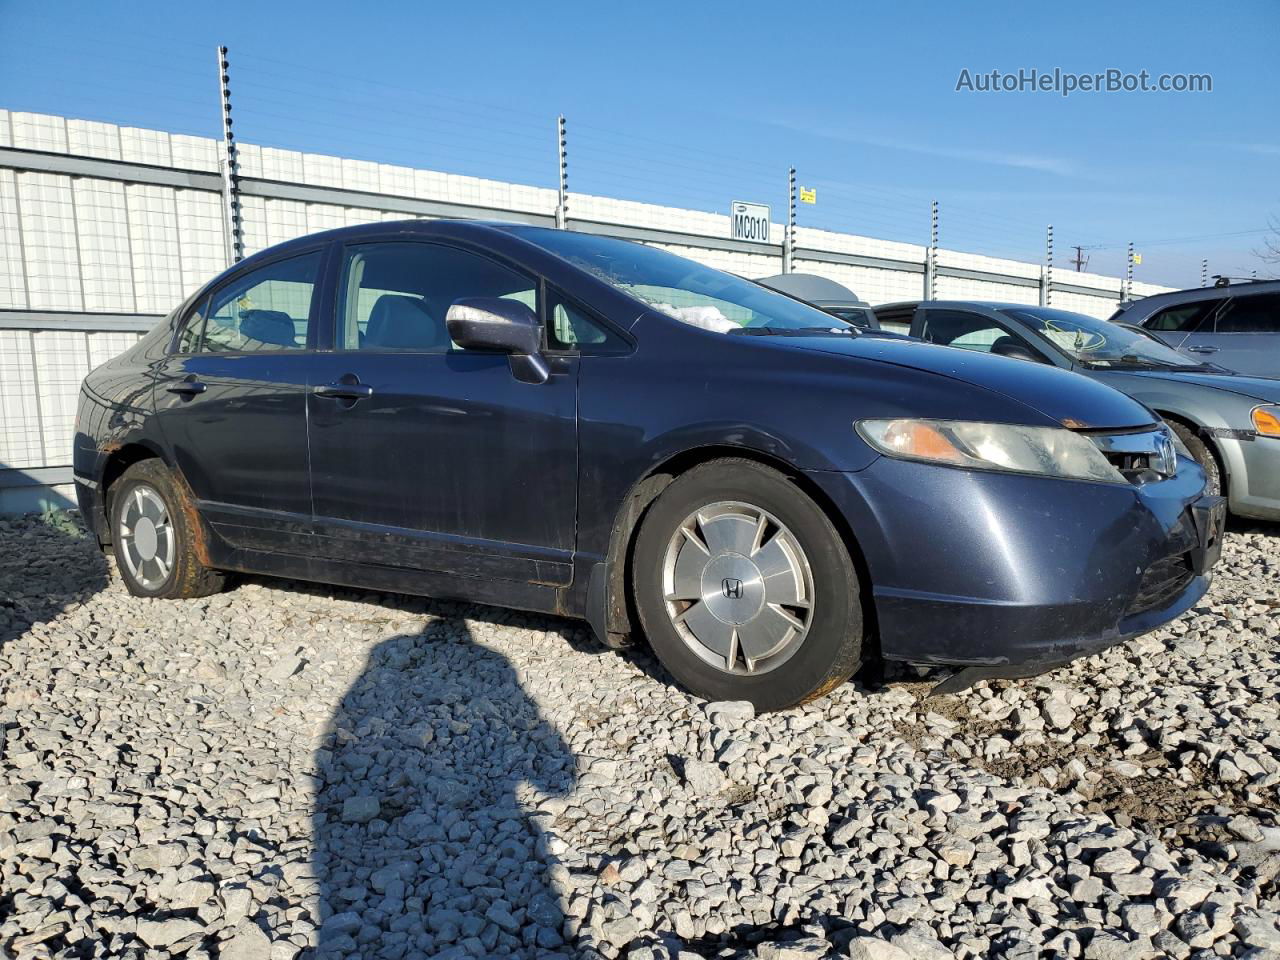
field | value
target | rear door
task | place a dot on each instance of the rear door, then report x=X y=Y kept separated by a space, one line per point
x=429 y=457
x=231 y=403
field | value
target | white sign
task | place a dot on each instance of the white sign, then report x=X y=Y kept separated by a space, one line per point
x=750 y=221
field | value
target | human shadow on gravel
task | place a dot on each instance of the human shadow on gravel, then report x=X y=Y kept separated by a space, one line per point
x=48 y=564
x=422 y=846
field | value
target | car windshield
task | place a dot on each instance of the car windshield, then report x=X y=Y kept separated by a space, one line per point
x=684 y=289
x=1097 y=342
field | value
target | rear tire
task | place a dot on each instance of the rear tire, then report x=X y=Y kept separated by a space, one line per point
x=745 y=588
x=1204 y=456
x=152 y=537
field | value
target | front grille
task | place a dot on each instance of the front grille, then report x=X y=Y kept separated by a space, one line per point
x=1132 y=465
x=1162 y=581
x=1142 y=456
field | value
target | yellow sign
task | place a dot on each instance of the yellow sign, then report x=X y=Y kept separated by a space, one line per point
x=1137 y=258
x=808 y=195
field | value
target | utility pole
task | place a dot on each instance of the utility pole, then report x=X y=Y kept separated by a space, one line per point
x=562 y=150
x=1080 y=261
x=230 y=163
x=789 y=238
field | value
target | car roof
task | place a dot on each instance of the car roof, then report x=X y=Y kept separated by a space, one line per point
x=1190 y=294
x=983 y=304
x=811 y=287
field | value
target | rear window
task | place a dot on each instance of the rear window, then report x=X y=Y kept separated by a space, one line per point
x=1259 y=313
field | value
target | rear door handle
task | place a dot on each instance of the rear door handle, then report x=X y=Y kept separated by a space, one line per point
x=343 y=391
x=1202 y=349
x=187 y=388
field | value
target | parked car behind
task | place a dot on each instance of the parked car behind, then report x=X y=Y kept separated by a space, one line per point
x=825 y=294
x=1236 y=326
x=594 y=428
x=1228 y=422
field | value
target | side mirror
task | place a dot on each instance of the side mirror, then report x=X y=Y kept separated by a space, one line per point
x=1018 y=351
x=496 y=323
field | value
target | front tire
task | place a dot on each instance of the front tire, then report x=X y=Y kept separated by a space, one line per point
x=745 y=588
x=1202 y=454
x=152 y=536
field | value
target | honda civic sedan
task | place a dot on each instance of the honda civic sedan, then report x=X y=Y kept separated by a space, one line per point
x=584 y=426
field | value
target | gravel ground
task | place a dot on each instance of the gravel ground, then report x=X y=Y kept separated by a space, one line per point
x=292 y=771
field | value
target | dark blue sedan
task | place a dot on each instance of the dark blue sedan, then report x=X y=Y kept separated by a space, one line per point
x=589 y=427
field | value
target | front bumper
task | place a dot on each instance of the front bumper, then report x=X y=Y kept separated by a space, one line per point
x=1019 y=574
x=1253 y=476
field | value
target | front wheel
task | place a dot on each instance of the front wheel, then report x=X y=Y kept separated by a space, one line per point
x=1202 y=455
x=745 y=588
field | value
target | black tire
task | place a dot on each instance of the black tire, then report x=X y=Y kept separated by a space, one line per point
x=1202 y=454
x=187 y=576
x=831 y=650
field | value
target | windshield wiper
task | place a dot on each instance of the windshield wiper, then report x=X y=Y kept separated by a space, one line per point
x=1131 y=359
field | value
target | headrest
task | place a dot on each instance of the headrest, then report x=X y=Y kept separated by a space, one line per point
x=402 y=322
x=268 y=326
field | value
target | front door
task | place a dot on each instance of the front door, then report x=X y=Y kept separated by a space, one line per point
x=231 y=404
x=428 y=457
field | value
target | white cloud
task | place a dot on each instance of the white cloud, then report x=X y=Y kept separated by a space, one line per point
x=1055 y=165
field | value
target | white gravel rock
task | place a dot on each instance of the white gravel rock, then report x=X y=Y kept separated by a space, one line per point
x=289 y=772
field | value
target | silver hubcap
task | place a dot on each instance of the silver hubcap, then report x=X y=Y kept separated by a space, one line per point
x=738 y=588
x=146 y=537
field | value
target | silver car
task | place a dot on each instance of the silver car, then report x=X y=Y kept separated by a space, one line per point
x=1236 y=325
x=1230 y=423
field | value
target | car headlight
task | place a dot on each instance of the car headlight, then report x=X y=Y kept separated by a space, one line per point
x=1048 y=451
x=1266 y=420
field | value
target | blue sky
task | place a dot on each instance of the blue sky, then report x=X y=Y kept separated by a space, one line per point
x=698 y=104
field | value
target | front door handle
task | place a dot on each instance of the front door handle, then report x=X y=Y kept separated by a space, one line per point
x=1202 y=349
x=343 y=391
x=187 y=388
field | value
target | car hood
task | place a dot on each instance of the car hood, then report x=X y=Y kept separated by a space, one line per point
x=1257 y=388
x=1070 y=399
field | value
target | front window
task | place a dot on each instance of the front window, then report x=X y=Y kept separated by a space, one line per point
x=684 y=289
x=394 y=296
x=1097 y=342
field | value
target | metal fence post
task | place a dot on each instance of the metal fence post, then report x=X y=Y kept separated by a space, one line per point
x=1204 y=273
x=562 y=149
x=1128 y=275
x=230 y=164
x=931 y=255
x=789 y=236
x=1046 y=285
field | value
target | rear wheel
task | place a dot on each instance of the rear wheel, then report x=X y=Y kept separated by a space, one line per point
x=1202 y=454
x=745 y=588
x=152 y=536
